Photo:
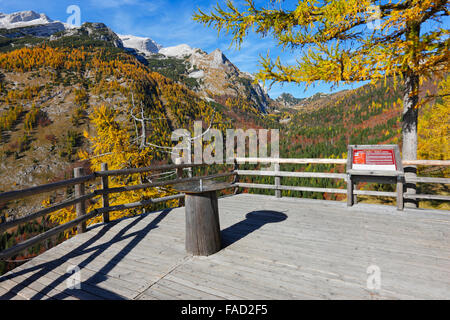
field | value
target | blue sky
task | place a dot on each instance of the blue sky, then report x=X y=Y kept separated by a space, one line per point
x=170 y=23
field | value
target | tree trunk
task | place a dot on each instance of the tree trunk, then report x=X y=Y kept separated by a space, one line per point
x=409 y=131
x=410 y=111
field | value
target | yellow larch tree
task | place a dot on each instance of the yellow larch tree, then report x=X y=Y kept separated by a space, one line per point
x=113 y=145
x=434 y=127
x=343 y=41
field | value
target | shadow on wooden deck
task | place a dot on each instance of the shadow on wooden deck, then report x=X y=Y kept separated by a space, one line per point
x=253 y=221
x=84 y=248
x=272 y=248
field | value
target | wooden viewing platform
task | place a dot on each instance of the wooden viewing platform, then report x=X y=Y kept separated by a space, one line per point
x=274 y=248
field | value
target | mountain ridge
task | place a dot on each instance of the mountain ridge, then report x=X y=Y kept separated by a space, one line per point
x=207 y=84
x=207 y=74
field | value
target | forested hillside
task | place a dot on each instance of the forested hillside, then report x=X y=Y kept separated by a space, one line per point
x=65 y=105
x=80 y=102
x=368 y=115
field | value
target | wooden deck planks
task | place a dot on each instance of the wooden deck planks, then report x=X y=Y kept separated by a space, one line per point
x=238 y=281
x=320 y=251
x=341 y=249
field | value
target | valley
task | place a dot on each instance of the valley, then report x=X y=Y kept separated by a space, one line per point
x=69 y=97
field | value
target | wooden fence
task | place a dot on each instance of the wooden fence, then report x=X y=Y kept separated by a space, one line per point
x=81 y=196
x=278 y=187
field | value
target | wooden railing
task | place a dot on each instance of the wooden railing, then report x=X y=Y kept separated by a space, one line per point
x=79 y=181
x=278 y=187
x=81 y=197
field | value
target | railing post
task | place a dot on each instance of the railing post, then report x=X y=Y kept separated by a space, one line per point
x=400 y=204
x=349 y=191
x=277 y=180
x=236 y=176
x=180 y=176
x=80 y=207
x=105 y=196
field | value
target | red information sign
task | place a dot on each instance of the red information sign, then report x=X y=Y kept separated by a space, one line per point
x=374 y=159
x=359 y=157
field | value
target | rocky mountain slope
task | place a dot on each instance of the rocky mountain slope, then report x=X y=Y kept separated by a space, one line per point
x=94 y=31
x=287 y=100
x=49 y=87
x=211 y=75
x=48 y=93
x=26 y=19
x=29 y=23
x=140 y=45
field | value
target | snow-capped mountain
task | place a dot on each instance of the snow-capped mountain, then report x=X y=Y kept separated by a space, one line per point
x=30 y=23
x=145 y=46
x=148 y=46
x=179 y=51
x=220 y=77
x=23 y=19
x=214 y=73
x=95 y=31
x=215 y=76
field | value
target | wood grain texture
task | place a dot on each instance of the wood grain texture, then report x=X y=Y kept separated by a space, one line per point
x=105 y=196
x=202 y=223
x=179 y=172
x=43 y=212
x=19 y=194
x=276 y=173
x=80 y=207
x=293 y=188
x=277 y=180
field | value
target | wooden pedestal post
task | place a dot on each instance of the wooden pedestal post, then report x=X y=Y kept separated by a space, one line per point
x=202 y=223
